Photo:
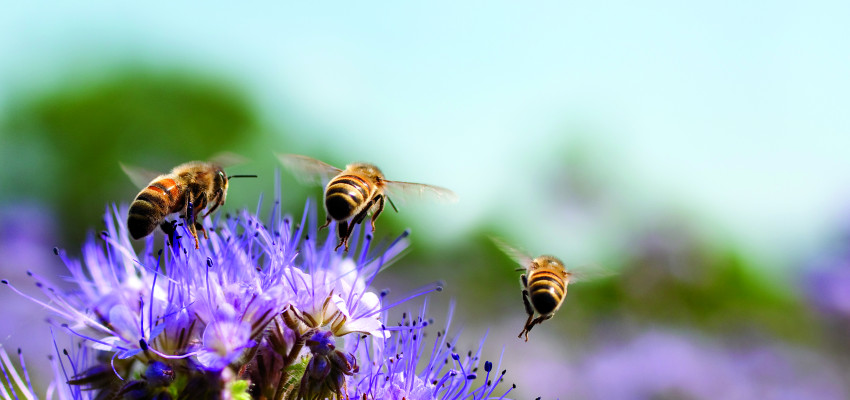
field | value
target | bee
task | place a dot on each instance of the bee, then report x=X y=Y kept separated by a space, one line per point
x=544 y=284
x=188 y=189
x=358 y=190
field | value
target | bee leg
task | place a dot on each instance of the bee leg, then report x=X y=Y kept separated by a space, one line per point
x=200 y=203
x=192 y=210
x=193 y=231
x=524 y=331
x=200 y=227
x=342 y=231
x=535 y=322
x=359 y=217
x=327 y=222
x=528 y=310
x=215 y=202
x=380 y=200
x=188 y=218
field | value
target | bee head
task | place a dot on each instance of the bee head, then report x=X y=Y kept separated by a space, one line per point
x=369 y=170
x=220 y=180
x=547 y=262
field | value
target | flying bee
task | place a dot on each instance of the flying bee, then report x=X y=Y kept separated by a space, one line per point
x=188 y=189
x=358 y=190
x=544 y=284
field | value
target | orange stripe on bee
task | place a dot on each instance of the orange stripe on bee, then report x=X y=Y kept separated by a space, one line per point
x=170 y=186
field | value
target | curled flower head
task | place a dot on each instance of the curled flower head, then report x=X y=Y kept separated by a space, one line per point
x=326 y=372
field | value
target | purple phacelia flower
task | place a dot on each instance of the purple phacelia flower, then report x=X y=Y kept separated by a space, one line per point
x=217 y=317
x=223 y=343
x=404 y=367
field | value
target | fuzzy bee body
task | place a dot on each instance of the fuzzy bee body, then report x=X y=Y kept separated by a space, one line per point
x=544 y=284
x=152 y=205
x=351 y=196
x=347 y=195
x=544 y=288
x=355 y=192
x=188 y=189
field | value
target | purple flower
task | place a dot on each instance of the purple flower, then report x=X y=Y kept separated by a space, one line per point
x=827 y=284
x=172 y=303
x=259 y=310
x=16 y=383
x=405 y=367
x=223 y=343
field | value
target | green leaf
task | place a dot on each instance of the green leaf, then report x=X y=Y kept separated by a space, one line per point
x=294 y=374
x=239 y=390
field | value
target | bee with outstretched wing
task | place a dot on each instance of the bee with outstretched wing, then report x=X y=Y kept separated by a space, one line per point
x=356 y=191
x=544 y=283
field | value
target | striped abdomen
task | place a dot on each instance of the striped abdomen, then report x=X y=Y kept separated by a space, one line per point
x=151 y=206
x=547 y=290
x=346 y=195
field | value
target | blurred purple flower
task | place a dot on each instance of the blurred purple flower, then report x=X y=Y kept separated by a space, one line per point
x=661 y=364
x=827 y=284
x=27 y=233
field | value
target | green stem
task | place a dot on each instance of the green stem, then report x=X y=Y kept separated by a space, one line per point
x=290 y=358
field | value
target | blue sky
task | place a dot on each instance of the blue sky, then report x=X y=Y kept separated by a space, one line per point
x=733 y=112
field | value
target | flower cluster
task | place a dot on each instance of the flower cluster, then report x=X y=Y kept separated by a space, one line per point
x=259 y=311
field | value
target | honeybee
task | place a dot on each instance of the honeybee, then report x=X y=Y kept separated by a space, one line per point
x=188 y=189
x=544 y=284
x=358 y=190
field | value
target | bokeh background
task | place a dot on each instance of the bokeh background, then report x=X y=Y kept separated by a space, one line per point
x=696 y=149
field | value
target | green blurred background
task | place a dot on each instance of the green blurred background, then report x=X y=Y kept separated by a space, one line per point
x=697 y=151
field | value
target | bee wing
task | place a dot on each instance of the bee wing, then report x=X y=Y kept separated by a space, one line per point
x=519 y=256
x=407 y=190
x=588 y=273
x=227 y=159
x=308 y=170
x=139 y=176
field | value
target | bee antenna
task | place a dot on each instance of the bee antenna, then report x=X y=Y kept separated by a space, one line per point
x=520 y=269
x=392 y=204
x=241 y=176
